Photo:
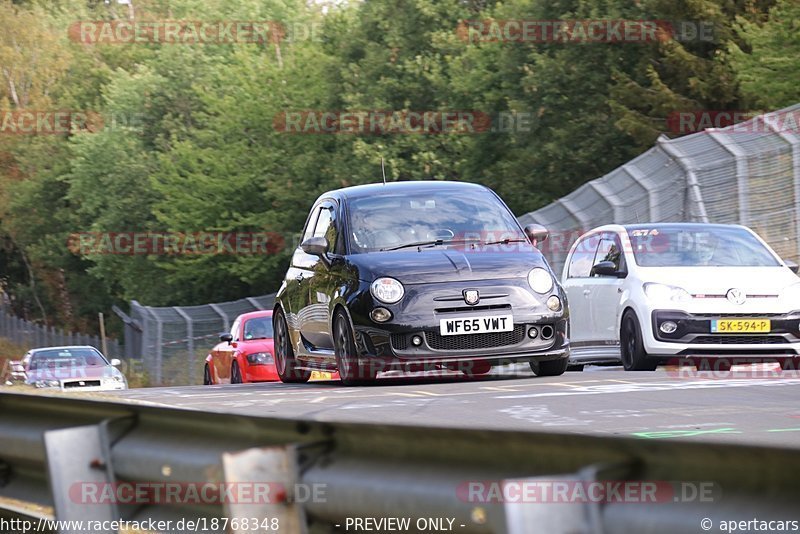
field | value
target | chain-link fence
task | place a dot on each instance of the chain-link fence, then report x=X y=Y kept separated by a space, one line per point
x=33 y=335
x=746 y=174
x=172 y=342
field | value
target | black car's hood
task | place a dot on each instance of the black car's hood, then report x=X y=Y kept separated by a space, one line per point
x=448 y=264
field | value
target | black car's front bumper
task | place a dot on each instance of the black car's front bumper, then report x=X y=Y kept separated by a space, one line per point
x=538 y=334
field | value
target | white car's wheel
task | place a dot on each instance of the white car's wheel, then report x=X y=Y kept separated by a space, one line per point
x=634 y=357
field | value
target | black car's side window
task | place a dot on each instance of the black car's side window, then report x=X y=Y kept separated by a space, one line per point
x=580 y=263
x=326 y=226
x=310 y=224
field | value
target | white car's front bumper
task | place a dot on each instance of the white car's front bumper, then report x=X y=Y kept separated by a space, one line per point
x=694 y=334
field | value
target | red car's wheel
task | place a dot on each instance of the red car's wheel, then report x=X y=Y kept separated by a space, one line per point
x=207 y=376
x=285 y=362
x=236 y=374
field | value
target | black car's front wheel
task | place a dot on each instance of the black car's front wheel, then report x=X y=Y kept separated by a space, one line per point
x=351 y=372
x=549 y=367
x=634 y=358
x=285 y=362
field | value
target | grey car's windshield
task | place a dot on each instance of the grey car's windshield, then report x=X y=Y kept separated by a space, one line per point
x=66 y=358
x=698 y=247
x=393 y=222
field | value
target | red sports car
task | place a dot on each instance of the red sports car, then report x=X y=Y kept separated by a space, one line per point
x=245 y=354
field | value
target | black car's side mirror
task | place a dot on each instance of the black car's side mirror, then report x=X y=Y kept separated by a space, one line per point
x=792 y=266
x=316 y=246
x=607 y=268
x=536 y=233
x=226 y=337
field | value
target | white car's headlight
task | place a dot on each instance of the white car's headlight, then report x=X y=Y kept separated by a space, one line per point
x=48 y=384
x=663 y=292
x=540 y=280
x=387 y=290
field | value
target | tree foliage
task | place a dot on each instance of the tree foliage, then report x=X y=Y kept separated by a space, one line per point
x=188 y=140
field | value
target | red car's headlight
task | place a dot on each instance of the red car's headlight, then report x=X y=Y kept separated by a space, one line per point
x=259 y=358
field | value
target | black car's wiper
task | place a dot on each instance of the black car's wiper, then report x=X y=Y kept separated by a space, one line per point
x=433 y=243
x=506 y=241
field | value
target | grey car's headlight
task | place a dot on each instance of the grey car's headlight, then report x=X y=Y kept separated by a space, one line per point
x=387 y=290
x=663 y=292
x=540 y=280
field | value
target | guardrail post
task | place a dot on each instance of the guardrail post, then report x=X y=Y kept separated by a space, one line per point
x=80 y=475
x=275 y=470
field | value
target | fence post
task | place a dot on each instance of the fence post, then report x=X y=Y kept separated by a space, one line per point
x=190 y=340
x=794 y=142
x=691 y=177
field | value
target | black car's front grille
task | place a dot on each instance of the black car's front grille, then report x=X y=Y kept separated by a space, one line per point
x=733 y=339
x=399 y=341
x=82 y=384
x=470 y=309
x=436 y=341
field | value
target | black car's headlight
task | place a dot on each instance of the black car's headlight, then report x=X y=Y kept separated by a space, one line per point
x=259 y=358
x=387 y=290
x=540 y=280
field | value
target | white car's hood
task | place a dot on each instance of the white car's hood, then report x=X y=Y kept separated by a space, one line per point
x=718 y=280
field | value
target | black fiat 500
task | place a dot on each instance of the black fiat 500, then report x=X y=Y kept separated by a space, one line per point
x=417 y=276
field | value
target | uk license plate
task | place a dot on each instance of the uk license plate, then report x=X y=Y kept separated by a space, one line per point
x=476 y=325
x=740 y=326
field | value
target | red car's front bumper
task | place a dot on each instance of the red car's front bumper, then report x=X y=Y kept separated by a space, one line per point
x=261 y=373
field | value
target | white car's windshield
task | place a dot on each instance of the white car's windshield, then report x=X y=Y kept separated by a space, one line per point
x=66 y=358
x=674 y=246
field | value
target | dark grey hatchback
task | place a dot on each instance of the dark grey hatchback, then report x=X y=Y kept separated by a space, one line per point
x=417 y=276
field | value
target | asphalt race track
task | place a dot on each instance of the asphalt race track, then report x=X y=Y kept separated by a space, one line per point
x=750 y=404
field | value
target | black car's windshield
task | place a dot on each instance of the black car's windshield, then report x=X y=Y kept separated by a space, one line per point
x=428 y=219
x=258 y=328
x=66 y=358
x=698 y=247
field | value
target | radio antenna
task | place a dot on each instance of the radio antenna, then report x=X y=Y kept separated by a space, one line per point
x=383 y=171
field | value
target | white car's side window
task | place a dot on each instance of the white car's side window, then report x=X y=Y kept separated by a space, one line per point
x=580 y=263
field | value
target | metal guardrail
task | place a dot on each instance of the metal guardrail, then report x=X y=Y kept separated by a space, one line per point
x=50 y=443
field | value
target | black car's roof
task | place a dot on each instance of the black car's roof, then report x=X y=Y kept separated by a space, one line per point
x=358 y=191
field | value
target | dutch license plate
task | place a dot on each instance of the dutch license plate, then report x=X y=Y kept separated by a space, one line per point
x=321 y=375
x=476 y=325
x=740 y=326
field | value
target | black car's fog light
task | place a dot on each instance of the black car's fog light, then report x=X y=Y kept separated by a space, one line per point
x=668 y=327
x=533 y=332
x=380 y=315
x=416 y=341
x=554 y=303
